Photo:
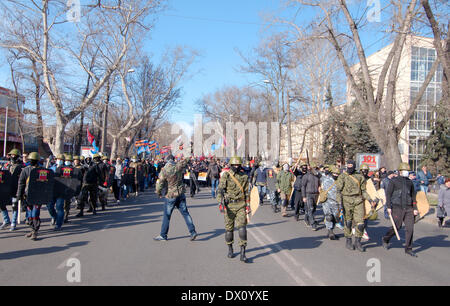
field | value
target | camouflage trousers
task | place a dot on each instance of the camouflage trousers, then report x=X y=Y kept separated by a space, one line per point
x=236 y=217
x=354 y=216
x=331 y=212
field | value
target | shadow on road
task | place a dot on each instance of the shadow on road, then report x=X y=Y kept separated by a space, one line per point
x=40 y=251
x=291 y=244
x=432 y=242
x=131 y=212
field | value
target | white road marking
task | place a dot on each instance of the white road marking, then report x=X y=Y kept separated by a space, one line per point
x=279 y=261
x=288 y=256
x=63 y=264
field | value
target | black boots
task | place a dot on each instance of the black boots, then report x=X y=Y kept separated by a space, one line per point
x=349 y=244
x=230 y=251
x=229 y=240
x=243 y=258
x=358 y=245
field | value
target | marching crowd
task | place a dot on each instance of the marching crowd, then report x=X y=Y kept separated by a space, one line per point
x=340 y=189
x=28 y=181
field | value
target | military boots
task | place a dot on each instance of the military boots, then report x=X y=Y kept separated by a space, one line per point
x=230 y=251
x=243 y=257
x=349 y=244
x=358 y=245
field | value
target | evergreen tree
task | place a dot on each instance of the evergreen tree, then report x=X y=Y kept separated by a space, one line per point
x=359 y=137
x=437 y=147
x=346 y=133
x=334 y=131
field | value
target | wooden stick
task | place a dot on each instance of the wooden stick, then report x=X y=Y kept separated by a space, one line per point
x=18 y=212
x=395 y=227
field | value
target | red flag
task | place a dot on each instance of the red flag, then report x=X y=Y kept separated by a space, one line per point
x=90 y=136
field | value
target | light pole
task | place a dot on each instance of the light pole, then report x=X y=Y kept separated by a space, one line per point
x=277 y=91
x=6 y=132
x=289 y=139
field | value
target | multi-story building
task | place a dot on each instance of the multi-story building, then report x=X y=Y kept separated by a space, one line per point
x=417 y=59
x=11 y=111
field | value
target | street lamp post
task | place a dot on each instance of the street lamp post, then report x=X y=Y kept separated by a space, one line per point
x=6 y=132
x=289 y=139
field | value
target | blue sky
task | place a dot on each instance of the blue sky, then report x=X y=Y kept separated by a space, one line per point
x=215 y=29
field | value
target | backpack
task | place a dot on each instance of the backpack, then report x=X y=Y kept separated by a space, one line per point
x=323 y=194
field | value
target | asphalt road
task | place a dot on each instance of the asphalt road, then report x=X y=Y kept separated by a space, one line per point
x=116 y=247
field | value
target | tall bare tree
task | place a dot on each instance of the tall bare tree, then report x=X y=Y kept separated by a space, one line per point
x=271 y=62
x=441 y=41
x=377 y=96
x=41 y=30
x=148 y=93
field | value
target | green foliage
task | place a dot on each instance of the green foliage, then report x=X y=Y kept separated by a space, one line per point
x=346 y=133
x=437 y=147
x=359 y=137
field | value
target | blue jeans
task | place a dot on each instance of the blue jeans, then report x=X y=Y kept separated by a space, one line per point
x=424 y=188
x=33 y=215
x=180 y=203
x=214 y=185
x=125 y=191
x=262 y=190
x=57 y=214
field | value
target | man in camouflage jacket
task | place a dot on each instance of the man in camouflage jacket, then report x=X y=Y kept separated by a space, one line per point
x=171 y=179
x=234 y=199
x=352 y=188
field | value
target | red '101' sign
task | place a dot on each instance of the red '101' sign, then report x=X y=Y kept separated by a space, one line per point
x=368 y=159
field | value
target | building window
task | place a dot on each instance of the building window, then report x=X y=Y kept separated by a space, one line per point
x=421 y=122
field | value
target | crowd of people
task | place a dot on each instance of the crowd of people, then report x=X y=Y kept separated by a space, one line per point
x=299 y=188
x=339 y=188
x=69 y=181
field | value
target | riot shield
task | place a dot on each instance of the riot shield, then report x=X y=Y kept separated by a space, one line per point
x=140 y=171
x=78 y=174
x=67 y=184
x=128 y=176
x=40 y=186
x=15 y=170
x=5 y=187
x=110 y=176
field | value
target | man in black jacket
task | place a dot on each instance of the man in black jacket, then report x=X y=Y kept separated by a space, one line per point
x=14 y=166
x=401 y=204
x=45 y=177
x=91 y=179
x=310 y=193
x=214 y=175
x=297 y=198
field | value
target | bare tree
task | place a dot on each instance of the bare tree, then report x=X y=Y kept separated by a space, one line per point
x=441 y=43
x=148 y=93
x=271 y=62
x=109 y=28
x=376 y=94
